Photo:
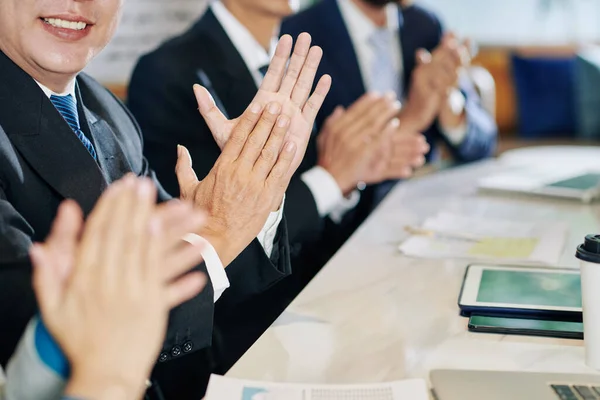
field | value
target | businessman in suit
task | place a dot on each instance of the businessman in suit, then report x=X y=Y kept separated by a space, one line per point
x=227 y=51
x=62 y=135
x=379 y=45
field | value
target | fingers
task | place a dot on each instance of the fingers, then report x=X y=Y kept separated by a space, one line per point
x=62 y=242
x=374 y=121
x=116 y=233
x=246 y=124
x=185 y=257
x=185 y=288
x=296 y=65
x=282 y=171
x=314 y=103
x=138 y=234
x=423 y=57
x=46 y=282
x=186 y=177
x=66 y=227
x=276 y=71
x=255 y=144
x=270 y=154
x=307 y=76
x=216 y=121
x=92 y=242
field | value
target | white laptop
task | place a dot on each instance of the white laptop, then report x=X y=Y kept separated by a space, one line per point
x=495 y=385
x=582 y=184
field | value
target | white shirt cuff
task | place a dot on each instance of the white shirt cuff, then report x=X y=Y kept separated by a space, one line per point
x=347 y=204
x=328 y=195
x=214 y=266
x=457 y=103
x=266 y=236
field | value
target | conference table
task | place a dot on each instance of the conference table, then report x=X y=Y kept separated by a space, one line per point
x=375 y=315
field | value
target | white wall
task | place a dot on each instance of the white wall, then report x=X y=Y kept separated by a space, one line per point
x=525 y=22
x=144 y=25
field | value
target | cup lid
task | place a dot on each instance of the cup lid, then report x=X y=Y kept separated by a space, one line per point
x=590 y=249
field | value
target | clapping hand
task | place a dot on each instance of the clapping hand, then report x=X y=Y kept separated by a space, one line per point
x=287 y=82
x=261 y=149
x=105 y=289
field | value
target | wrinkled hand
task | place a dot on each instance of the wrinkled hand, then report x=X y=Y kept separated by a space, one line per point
x=105 y=290
x=289 y=86
x=246 y=183
x=350 y=138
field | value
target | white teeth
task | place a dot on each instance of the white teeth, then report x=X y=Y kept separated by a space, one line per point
x=61 y=23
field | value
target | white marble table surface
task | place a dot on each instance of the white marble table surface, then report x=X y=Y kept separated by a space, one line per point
x=374 y=315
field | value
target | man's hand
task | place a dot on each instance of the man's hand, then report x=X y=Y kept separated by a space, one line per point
x=400 y=151
x=435 y=76
x=350 y=138
x=247 y=182
x=105 y=290
x=288 y=82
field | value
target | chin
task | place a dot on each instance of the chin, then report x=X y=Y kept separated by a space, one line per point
x=64 y=62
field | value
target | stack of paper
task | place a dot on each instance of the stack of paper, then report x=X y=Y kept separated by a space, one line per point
x=448 y=235
x=223 y=388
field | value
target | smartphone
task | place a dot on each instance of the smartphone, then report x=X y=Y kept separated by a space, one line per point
x=525 y=292
x=529 y=327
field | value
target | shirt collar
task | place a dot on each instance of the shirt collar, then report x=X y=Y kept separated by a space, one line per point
x=252 y=52
x=70 y=90
x=361 y=25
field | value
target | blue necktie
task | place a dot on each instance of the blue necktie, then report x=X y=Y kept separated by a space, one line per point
x=384 y=75
x=67 y=108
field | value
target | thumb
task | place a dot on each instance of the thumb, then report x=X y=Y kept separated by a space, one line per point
x=47 y=283
x=186 y=177
x=216 y=121
x=423 y=57
x=336 y=114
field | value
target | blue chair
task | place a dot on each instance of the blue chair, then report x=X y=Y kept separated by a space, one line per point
x=545 y=89
x=587 y=89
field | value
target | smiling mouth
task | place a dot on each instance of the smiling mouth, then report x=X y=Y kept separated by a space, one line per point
x=64 y=24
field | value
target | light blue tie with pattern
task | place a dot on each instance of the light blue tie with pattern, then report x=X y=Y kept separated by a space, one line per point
x=384 y=74
x=67 y=108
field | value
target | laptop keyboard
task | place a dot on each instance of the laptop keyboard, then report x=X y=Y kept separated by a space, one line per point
x=577 y=392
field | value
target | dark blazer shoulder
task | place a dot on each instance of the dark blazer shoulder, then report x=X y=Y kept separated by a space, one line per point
x=423 y=23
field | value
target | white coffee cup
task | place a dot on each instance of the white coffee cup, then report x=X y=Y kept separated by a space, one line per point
x=589 y=255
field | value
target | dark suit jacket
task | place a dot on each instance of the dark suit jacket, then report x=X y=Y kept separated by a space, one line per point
x=41 y=163
x=418 y=29
x=161 y=98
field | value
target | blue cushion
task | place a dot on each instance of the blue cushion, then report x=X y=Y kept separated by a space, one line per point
x=545 y=96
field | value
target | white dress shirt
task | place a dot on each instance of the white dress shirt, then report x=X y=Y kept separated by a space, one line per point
x=214 y=266
x=325 y=190
x=361 y=28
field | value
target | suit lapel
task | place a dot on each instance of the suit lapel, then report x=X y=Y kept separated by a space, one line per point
x=231 y=82
x=45 y=140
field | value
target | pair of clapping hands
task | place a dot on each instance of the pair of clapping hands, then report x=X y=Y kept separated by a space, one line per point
x=115 y=277
x=435 y=77
x=376 y=139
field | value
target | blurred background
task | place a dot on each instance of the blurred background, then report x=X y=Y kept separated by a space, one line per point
x=537 y=63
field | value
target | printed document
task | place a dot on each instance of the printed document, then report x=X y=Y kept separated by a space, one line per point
x=224 y=388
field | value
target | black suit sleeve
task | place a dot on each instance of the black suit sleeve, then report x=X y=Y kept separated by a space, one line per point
x=17 y=300
x=162 y=100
